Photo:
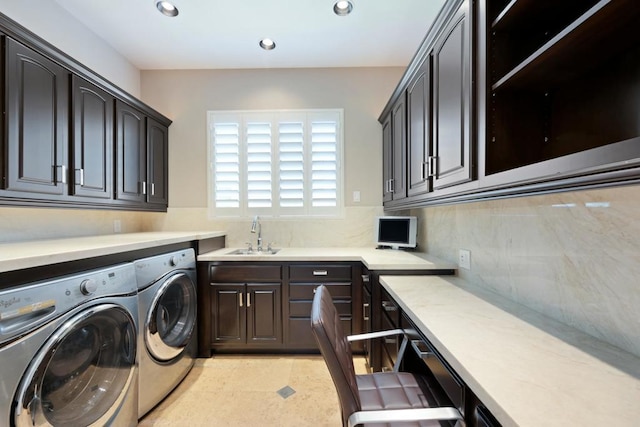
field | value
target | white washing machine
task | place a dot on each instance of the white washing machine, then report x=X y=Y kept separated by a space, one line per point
x=68 y=350
x=167 y=341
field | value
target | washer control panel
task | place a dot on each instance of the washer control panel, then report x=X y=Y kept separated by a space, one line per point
x=33 y=304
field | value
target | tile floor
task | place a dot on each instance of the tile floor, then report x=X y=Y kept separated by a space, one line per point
x=242 y=390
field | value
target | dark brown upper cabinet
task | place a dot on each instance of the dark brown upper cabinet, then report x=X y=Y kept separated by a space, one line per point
x=394 y=145
x=419 y=122
x=36 y=119
x=157 y=162
x=71 y=138
x=387 y=159
x=92 y=153
x=452 y=97
x=131 y=153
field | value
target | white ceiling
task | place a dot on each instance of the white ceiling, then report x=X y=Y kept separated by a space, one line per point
x=225 y=33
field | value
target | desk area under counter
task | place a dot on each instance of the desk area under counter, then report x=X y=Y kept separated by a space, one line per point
x=527 y=369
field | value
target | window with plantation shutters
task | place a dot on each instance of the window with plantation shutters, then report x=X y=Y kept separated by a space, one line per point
x=275 y=163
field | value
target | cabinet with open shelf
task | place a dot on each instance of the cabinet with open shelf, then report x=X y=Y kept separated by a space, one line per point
x=563 y=80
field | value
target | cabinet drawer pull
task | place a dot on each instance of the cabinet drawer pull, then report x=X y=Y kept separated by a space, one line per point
x=365 y=278
x=320 y=272
x=389 y=306
x=421 y=349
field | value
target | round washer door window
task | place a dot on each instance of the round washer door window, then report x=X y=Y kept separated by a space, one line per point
x=172 y=317
x=83 y=371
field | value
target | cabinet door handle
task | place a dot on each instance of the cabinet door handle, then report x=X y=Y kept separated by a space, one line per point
x=432 y=164
x=61 y=174
x=320 y=272
x=365 y=278
x=153 y=189
x=392 y=185
x=365 y=316
x=144 y=187
x=248 y=299
x=240 y=298
x=80 y=176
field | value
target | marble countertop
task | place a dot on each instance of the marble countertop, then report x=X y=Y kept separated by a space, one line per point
x=528 y=369
x=19 y=255
x=374 y=259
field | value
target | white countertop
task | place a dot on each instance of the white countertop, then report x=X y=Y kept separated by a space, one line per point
x=528 y=369
x=19 y=255
x=374 y=259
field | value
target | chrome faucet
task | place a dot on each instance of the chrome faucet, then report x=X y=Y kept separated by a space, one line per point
x=254 y=225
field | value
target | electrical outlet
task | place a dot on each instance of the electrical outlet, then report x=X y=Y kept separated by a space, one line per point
x=464 y=259
x=356 y=196
x=117 y=226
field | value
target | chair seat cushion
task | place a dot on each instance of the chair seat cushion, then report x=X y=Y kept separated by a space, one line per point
x=395 y=390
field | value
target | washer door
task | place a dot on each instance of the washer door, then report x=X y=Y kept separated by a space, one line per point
x=82 y=373
x=171 y=318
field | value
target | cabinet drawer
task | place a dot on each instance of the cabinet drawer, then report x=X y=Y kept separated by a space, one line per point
x=305 y=291
x=448 y=380
x=245 y=273
x=319 y=272
x=303 y=308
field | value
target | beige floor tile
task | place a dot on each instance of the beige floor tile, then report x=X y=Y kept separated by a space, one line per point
x=241 y=390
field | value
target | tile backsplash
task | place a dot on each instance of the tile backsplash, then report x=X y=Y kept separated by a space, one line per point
x=573 y=256
x=354 y=229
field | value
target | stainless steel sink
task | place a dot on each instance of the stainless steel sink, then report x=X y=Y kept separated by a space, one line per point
x=253 y=253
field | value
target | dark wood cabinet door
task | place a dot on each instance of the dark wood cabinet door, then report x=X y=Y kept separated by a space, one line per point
x=131 y=153
x=37 y=125
x=452 y=101
x=419 y=124
x=264 y=313
x=157 y=162
x=228 y=314
x=92 y=140
x=399 y=132
x=387 y=160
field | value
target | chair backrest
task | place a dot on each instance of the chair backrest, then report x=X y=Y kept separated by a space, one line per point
x=336 y=350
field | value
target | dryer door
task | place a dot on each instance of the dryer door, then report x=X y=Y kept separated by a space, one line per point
x=171 y=319
x=83 y=371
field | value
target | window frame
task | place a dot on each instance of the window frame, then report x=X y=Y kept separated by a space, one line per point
x=275 y=118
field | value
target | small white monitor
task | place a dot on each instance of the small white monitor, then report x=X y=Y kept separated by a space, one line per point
x=396 y=232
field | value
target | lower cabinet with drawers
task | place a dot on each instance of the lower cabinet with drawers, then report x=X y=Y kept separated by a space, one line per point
x=266 y=306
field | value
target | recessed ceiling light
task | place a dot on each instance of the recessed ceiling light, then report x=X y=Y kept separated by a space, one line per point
x=343 y=7
x=267 y=44
x=166 y=8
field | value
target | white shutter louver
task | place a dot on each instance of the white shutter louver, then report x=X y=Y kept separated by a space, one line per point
x=291 y=161
x=324 y=164
x=259 y=165
x=226 y=164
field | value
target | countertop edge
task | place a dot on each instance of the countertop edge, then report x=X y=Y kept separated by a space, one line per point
x=29 y=254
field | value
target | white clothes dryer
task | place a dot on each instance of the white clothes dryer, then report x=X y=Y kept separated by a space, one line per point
x=68 y=350
x=167 y=340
